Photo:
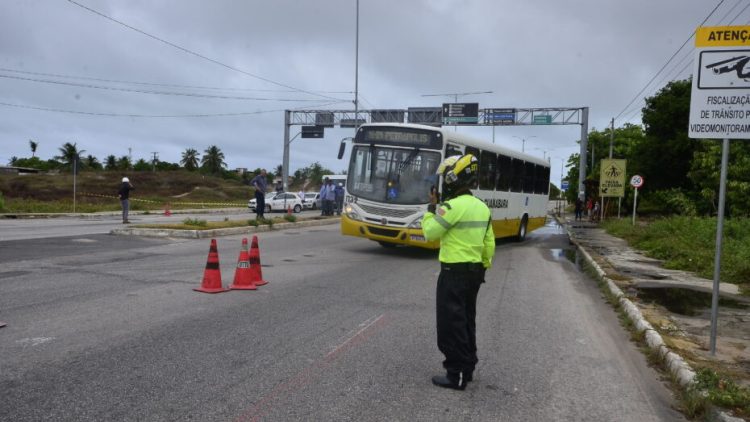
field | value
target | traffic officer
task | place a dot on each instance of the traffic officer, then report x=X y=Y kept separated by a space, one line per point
x=463 y=224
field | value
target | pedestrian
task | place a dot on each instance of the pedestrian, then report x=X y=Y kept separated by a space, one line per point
x=463 y=224
x=330 y=199
x=259 y=182
x=323 y=193
x=339 y=195
x=579 y=209
x=589 y=207
x=124 y=194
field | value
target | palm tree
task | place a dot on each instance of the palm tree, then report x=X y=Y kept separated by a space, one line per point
x=111 y=162
x=213 y=159
x=123 y=163
x=69 y=153
x=33 y=146
x=92 y=162
x=190 y=159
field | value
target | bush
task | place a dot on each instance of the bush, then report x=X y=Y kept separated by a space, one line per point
x=252 y=222
x=2 y=203
x=290 y=218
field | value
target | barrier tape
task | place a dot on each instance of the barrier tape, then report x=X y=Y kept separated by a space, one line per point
x=224 y=204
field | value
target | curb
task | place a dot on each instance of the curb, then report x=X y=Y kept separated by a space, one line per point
x=677 y=366
x=202 y=234
x=20 y=216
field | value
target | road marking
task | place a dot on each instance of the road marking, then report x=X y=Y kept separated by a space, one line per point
x=304 y=377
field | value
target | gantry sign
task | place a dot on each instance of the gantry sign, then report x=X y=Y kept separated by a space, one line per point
x=314 y=122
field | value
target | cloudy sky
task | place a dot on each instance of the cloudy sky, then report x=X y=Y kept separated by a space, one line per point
x=142 y=77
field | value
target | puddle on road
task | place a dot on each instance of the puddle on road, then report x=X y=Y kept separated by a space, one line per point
x=570 y=254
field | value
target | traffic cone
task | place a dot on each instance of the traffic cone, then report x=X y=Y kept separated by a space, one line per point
x=242 y=277
x=167 y=212
x=289 y=210
x=255 y=270
x=212 y=275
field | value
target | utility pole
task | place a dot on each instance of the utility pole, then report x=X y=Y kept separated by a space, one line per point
x=153 y=162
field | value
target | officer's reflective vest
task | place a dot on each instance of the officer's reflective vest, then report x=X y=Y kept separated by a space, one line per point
x=464 y=228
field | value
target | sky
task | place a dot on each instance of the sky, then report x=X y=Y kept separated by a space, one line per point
x=156 y=77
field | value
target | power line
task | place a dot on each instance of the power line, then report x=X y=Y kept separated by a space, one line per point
x=667 y=63
x=88 y=113
x=171 y=44
x=56 y=75
x=184 y=94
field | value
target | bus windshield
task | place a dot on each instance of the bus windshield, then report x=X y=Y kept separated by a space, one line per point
x=393 y=175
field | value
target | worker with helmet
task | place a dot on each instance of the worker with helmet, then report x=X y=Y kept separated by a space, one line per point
x=463 y=224
x=124 y=194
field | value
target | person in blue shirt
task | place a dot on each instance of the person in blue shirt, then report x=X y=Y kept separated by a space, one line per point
x=259 y=182
x=323 y=193
x=339 y=193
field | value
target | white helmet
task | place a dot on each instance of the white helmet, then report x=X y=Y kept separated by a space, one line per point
x=125 y=180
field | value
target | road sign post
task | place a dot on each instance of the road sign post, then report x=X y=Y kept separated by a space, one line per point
x=719 y=109
x=636 y=182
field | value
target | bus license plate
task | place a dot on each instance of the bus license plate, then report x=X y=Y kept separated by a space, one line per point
x=417 y=238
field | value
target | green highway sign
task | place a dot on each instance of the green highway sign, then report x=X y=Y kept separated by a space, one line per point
x=542 y=120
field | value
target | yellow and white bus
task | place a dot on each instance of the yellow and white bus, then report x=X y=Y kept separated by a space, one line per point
x=393 y=167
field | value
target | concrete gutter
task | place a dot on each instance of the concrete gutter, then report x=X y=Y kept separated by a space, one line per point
x=203 y=234
x=676 y=365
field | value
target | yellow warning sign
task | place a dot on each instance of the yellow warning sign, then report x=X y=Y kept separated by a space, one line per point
x=722 y=36
x=612 y=178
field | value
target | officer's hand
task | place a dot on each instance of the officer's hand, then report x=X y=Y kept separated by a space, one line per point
x=431 y=208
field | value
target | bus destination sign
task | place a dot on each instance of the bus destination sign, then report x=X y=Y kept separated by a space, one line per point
x=400 y=137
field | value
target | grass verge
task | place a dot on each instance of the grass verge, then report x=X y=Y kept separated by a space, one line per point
x=689 y=244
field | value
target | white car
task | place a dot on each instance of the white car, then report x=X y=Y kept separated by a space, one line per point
x=311 y=200
x=282 y=201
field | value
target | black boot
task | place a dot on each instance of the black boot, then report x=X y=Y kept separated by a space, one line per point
x=452 y=381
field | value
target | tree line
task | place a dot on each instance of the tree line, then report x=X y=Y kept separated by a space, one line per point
x=681 y=174
x=211 y=162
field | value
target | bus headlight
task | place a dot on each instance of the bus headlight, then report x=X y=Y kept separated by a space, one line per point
x=416 y=224
x=349 y=211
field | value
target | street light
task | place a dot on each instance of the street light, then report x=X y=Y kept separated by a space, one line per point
x=523 y=141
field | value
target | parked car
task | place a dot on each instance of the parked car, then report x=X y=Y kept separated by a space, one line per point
x=281 y=201
x=312 y=200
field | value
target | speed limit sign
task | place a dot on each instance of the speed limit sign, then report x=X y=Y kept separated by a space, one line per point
x=636 y=181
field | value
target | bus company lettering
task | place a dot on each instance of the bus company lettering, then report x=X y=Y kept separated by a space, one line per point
x=496 y=203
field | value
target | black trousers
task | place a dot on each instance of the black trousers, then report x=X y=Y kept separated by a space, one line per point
x=457 y=290
x=260 y=203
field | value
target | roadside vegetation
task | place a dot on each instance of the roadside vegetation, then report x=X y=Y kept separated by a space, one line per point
x=689 y=244
x=158 y=186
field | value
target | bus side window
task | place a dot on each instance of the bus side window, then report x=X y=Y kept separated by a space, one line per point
x=518 y=168
x=542 y=179
x=528 y=178
x=487 y=170
x=504 y=173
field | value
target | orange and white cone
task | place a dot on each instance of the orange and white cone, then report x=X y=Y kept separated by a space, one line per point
x=212 y=275
x=242 y=275
x=255 y=267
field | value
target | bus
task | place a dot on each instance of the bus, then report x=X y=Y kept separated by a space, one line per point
x=392 y=168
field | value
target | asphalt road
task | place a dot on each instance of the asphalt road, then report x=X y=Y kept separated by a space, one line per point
x=104 y=327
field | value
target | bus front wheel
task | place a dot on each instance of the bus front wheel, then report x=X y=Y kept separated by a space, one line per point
x=521 y=236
